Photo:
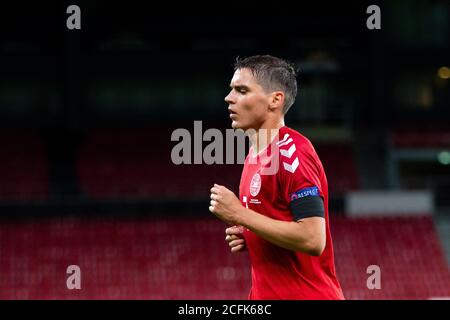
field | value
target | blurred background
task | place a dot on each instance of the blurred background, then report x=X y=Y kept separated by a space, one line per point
x=86 y=118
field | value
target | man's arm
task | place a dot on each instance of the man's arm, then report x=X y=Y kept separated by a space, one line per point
x=305 y=235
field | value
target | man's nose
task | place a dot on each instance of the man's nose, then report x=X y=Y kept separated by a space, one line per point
x=229 y=98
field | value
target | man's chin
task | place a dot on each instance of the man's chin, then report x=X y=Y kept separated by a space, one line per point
x=235 y=125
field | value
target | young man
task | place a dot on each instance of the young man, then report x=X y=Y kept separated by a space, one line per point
x=282 y=214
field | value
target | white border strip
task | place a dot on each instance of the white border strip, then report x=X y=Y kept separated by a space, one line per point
x=363 y=203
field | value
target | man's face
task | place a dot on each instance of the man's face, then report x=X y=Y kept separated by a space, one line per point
x=247 y=101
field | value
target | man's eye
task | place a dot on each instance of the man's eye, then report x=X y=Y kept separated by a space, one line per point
x=242 y=91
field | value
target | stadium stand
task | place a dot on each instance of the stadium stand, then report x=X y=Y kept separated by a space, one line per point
x=407 y=145
x=339 y=162
x=128 y=259
x=187 y=258
x=133 y=163
x=23 y=166
x=430 y=135
x=407 y=250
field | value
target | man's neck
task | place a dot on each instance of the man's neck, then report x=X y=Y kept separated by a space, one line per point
x=263 y=136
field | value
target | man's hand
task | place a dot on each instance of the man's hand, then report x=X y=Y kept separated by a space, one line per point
x=235 y=238
x=224 y=204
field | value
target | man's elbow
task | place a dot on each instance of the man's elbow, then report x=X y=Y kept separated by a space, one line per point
x=315 y=247
x=317 y=250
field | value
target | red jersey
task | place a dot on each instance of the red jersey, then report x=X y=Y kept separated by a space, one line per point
x=287 y=169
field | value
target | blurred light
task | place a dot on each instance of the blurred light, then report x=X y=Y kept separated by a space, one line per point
x=444 y=72
x=425 y=97
x=444 y=157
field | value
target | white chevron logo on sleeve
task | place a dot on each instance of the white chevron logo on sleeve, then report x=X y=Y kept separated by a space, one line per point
x=286 y=136
x=286 y=142
x=288 y=153
x=291 y=168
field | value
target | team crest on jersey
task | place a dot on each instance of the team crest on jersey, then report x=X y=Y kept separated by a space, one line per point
x=255 y=185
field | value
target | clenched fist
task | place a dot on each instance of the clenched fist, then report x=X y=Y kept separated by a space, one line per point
x=225 y=205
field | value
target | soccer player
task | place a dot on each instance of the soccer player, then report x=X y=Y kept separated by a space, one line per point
x=282 y=214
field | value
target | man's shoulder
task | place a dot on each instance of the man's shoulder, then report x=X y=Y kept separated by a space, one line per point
x=291 y=150
x=289 y=136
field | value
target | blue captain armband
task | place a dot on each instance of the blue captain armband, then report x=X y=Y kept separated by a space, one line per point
x=307 y=203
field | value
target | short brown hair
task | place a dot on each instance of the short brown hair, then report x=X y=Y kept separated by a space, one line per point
x=272 y=74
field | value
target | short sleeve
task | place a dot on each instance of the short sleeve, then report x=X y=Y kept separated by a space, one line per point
x=301 y=184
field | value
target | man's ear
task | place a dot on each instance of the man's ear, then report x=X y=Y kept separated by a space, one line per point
x=276 y=100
